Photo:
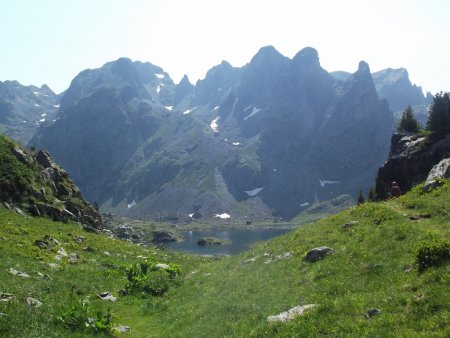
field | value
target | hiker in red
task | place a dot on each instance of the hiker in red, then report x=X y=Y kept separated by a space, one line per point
x=395 y=190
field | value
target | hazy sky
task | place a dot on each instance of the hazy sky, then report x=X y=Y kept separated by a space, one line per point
x=51 y=41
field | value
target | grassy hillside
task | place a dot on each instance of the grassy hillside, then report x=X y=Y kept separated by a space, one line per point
x=374 y=265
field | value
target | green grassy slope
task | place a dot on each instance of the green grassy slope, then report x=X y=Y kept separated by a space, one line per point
x=374 y=266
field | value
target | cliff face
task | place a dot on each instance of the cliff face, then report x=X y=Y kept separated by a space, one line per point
x=410 y=160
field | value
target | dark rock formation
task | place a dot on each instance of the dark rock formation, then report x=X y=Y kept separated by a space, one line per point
x=37 y=184
x=319 y=253
x=410 y=160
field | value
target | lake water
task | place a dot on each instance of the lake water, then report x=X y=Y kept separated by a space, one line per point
x=241 y=240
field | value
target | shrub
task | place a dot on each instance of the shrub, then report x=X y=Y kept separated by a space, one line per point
x=432 y=253
x=146 y=278
x=78 y=317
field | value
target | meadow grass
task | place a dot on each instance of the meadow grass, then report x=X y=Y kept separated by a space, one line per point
x=374 y=265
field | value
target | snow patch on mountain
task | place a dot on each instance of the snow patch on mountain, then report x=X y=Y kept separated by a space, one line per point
x=189 y=110
x=254 y=112
x=214 y=125
x=253 y=192
x=160 y=76
x=325 y=182
x=223 y=216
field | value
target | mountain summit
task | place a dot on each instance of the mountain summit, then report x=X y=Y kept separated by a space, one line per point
x=270 y=139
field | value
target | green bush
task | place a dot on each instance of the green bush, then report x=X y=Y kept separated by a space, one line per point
x=15 y=177
x=432 y=253
x=146 y=278
x=78 y=317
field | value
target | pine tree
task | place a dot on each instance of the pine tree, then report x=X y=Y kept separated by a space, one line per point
x=372 y=195
x=408 y=121
x=361 y=198
x=439 y=115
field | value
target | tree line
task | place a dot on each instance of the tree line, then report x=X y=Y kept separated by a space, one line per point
x=438 y=117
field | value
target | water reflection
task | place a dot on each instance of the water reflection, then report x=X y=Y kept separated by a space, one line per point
x=240 y=239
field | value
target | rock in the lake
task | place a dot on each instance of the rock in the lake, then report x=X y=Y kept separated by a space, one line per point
x=6 y=297
x=372 y=312
x=290 y=314
x=33 y=302
x=107 y=296
x=316 y=254
x=211 y=241
x=18 y=273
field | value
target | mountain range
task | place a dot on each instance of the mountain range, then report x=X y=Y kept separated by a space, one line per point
x=266 y=140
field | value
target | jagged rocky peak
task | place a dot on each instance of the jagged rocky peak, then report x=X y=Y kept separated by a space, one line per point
x=183 y=89
x=217 y=83
x=362 y=77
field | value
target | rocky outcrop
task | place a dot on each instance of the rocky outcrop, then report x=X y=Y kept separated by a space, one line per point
x=34 y=182
x=410 y=161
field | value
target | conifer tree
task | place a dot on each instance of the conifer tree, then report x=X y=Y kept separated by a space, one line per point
x=372 y=195
x=439 y=115
x=361 y=198
x=408 y=121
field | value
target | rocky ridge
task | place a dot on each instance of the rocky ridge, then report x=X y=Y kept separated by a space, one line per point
x=256 y=142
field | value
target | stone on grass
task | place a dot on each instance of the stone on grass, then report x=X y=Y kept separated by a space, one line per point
x=6 y=297
x=349 y=224
x=286 y=255
x=62 y=252
x=372 y=312
x=79 y=239
x=290 y=314
x=319 y=253
x=44 y=276
x=33 y=302
x=431 y=185
x=18 y=273
x=73 y=258
x=122 y=328
x=440 y=170
x=250 y=260
x=161 y=266
x=107 y=296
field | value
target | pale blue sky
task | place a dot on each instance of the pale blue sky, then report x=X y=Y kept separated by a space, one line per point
x=51 y=41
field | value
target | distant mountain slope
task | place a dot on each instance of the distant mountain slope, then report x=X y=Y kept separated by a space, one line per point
x=395 y=86
x=262 y=141
x=24 y=108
